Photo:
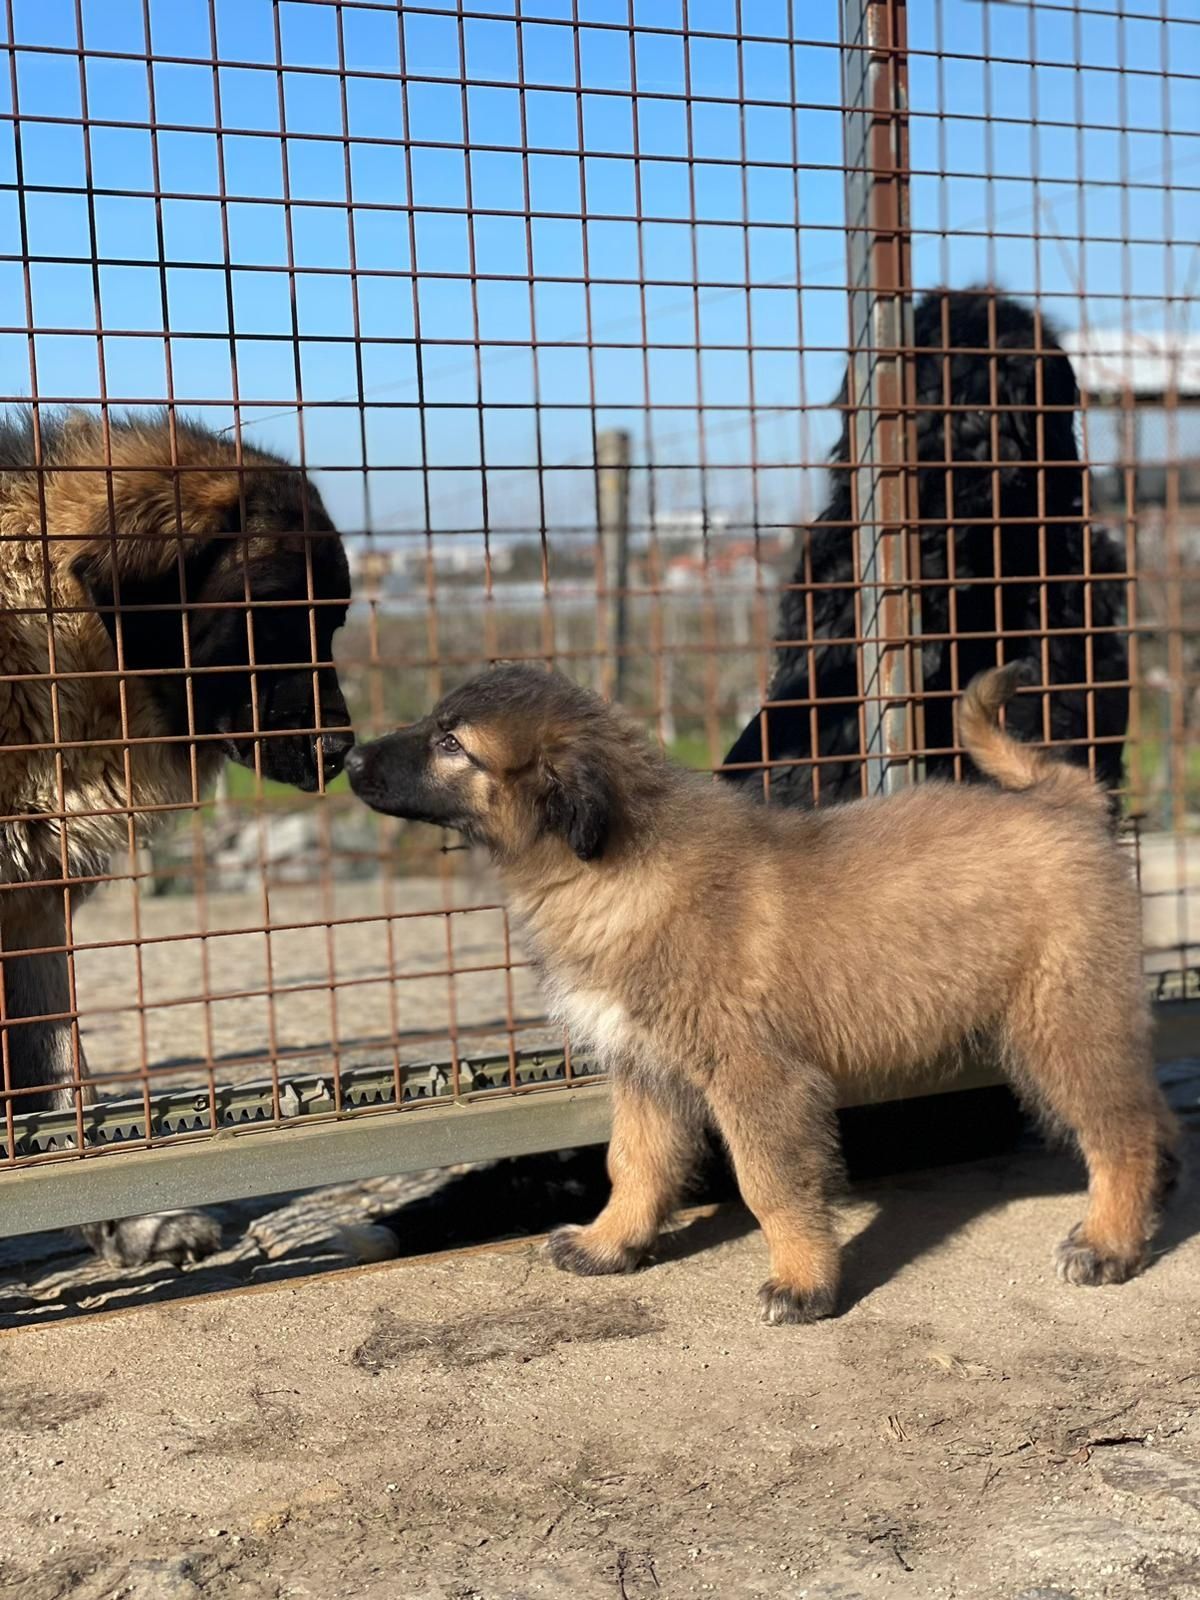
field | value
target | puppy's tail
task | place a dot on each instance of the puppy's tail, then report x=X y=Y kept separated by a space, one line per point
x=1006 y=760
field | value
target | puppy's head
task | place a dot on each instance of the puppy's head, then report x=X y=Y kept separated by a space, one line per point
x=220 y=583
x=515 y=756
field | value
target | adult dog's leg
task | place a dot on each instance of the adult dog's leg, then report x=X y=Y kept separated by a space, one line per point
x=42 y=1059
x=656 y=1141
x=44 y=1069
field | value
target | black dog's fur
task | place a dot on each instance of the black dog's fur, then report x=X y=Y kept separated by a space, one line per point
x=1028 y=418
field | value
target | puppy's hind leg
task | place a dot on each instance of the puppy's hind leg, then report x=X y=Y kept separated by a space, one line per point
x=656 y=1141
x=778 y=1122
x=1084 y=1054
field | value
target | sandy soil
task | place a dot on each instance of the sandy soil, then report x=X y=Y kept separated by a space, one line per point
x=478 y=1427
x=398 y=963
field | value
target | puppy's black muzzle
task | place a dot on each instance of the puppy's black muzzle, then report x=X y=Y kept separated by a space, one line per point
x=355 y=764
x=392 y=775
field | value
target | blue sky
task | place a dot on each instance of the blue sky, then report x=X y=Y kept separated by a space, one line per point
x=737 y=258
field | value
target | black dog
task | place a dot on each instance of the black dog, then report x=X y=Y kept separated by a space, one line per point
x=979 y=504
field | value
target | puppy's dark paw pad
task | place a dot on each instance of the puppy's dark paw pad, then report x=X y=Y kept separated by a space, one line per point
x=569 y=1251
x=779 y=1304
x=1080 y=1264
x=176 y=1237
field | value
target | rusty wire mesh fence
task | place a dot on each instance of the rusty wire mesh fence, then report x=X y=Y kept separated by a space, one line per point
x=556 y=309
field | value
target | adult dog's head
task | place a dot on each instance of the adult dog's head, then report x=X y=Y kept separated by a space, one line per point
x=516 y=756
x=991 y=372
x=219 y=578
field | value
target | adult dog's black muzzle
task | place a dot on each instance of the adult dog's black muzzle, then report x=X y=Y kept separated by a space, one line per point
x=335 y=746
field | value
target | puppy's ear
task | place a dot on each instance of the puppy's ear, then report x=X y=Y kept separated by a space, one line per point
x=578 y=802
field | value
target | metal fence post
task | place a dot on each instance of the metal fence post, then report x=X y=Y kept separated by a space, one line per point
x=880 y=386
x=612 y=515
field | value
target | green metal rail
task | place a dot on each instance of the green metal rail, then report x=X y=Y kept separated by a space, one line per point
x=295 y=1133
x=175 y=1111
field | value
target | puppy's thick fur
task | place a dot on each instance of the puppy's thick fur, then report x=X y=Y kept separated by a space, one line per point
x=214 y=583
x=737 y=964
x=1000 y=491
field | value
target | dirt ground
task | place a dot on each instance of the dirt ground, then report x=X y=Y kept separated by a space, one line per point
x=165 y=984
x=479 y=1427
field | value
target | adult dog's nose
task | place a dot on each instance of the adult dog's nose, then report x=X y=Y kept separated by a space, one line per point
x=336 y=747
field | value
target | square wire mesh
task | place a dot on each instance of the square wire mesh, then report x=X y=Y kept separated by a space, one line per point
x=552 y=302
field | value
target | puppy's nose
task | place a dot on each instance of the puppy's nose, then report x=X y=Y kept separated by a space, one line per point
x=354 y=762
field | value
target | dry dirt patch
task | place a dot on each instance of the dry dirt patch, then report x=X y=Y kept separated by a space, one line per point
x=479 y=1425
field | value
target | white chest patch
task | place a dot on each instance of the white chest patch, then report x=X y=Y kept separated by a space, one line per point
x=594 y=1020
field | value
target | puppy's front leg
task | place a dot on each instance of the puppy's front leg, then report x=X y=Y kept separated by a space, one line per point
x=656 y=1141
x=778 y=1122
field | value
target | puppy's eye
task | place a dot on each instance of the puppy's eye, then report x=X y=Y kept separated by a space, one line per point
x=449 y=744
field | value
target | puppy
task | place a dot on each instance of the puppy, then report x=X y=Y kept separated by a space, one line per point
x=1001 y=493
x=737 y=965
x=165 y=603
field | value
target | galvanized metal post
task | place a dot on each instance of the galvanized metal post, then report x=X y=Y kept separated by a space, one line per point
x=880 y=380
x=612 y=515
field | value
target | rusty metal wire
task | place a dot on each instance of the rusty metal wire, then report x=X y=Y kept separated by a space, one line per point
x=552 y=303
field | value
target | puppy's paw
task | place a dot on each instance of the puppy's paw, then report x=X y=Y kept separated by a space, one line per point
x=176 y=1237
x=1082 y=1264
x=780 y=1304
x=571 y=1251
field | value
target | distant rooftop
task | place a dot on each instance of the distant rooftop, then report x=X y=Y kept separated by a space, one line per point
x=1117 y=360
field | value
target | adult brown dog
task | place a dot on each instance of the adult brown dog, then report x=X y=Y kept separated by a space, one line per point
x=167 y=603
x=737 y=964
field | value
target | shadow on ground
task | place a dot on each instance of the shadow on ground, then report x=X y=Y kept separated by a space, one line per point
x=932 y=1167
